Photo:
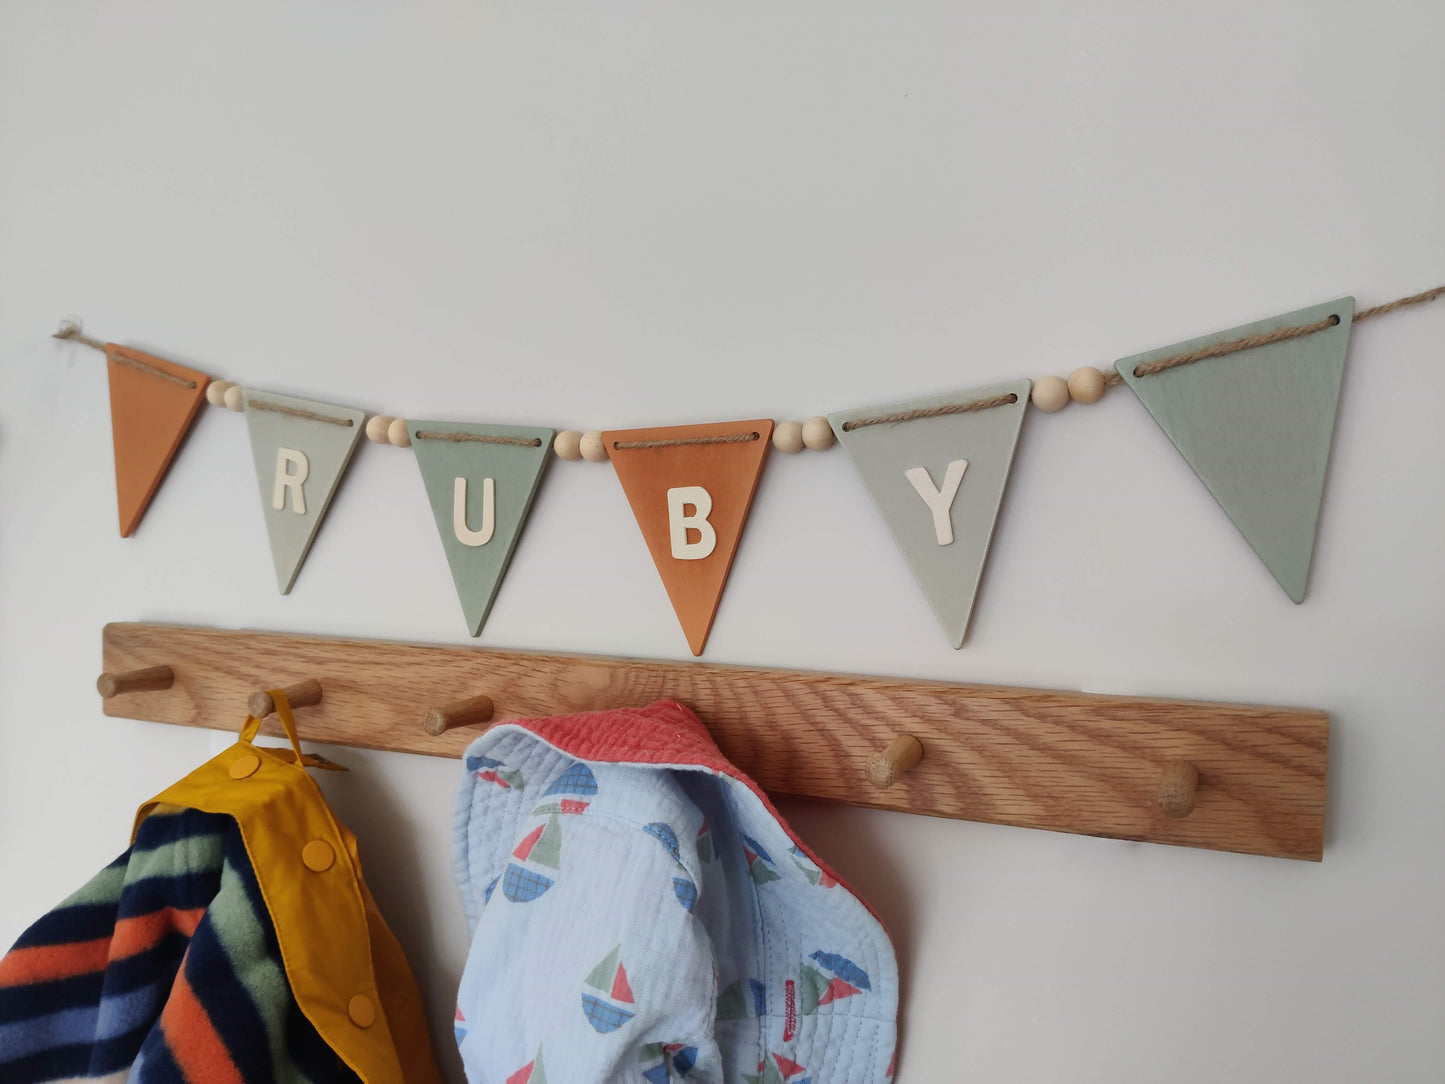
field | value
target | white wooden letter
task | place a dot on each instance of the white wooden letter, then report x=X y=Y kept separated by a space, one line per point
x=939 y=501
x=465 y=535
x=290 y=479
x=678 y=501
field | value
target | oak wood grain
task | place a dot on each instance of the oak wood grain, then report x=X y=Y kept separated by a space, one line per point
x=1069 y=762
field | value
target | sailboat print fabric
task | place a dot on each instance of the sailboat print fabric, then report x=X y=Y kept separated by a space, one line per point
x=640 y=913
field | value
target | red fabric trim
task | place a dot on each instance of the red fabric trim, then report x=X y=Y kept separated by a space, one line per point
x=664 y=732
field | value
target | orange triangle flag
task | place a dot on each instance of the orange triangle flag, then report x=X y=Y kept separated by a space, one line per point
x=152 y=405
x=690 y=487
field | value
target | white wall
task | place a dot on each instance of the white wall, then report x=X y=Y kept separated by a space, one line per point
x=652 y=213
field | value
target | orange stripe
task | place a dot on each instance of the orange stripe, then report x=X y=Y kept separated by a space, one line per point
x=46 y=963
x=192 y=1039
x=141 y=932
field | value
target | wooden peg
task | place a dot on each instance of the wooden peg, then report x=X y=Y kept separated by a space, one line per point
x=1177 y=787
x=304 y=694
x=903 y=753
x=135 y=681
x=470 y=712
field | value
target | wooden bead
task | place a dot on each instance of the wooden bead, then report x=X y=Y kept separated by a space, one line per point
x=216 y=392
x=1050 y=393
x=1086 y=384
x=788 y=437
x=397 y=434
x=568 y=445
x=376 y=428
x=1178 y=786
x=818 y=434
x=233 y=399
x=592 y=447
x=903 y=752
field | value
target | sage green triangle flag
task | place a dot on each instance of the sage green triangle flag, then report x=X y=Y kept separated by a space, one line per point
x=301 y=449
x=938 y=480
x=480 y=480
x=1256 y=425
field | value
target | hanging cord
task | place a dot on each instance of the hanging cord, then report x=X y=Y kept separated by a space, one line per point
x=1283 y=334
x=70 y=330
x=478 y=438
x=676 y=442
x=296 y=412
x=932 y=412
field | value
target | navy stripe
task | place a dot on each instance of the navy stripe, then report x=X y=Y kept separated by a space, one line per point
x=82 y=922
x=54 y=1064
x=309 y=1052
x=182 y=891
x=159 y=1066
x=228 y=1003
x=118 y=1052
x=164 y=829
x=43 y=998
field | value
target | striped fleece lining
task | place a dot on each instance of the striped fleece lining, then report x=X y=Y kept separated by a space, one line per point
x=164 y=968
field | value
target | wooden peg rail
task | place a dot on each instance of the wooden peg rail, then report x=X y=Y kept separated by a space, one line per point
x=1222 y=776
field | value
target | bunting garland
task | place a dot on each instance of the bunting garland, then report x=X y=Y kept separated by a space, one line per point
x=1251 y=409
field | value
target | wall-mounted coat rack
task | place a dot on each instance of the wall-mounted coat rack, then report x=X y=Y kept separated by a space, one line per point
x=1222 y=776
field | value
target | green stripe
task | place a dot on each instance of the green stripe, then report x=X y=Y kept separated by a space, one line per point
x=104 y=887
x=243 y=940
x=193 y=854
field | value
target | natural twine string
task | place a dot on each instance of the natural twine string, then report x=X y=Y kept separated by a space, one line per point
x=1112 y=378
x=735 y=438
x=932 y=412
x=297 y=412
x=1249 y=342
x=478 y=438
x=70 y=331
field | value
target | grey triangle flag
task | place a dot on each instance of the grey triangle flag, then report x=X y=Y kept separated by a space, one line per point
x=938 y=480
x=480 y=480
x=301 y=449
x=1256 y=426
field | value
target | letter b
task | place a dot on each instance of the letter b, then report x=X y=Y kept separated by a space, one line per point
x=679 y=500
